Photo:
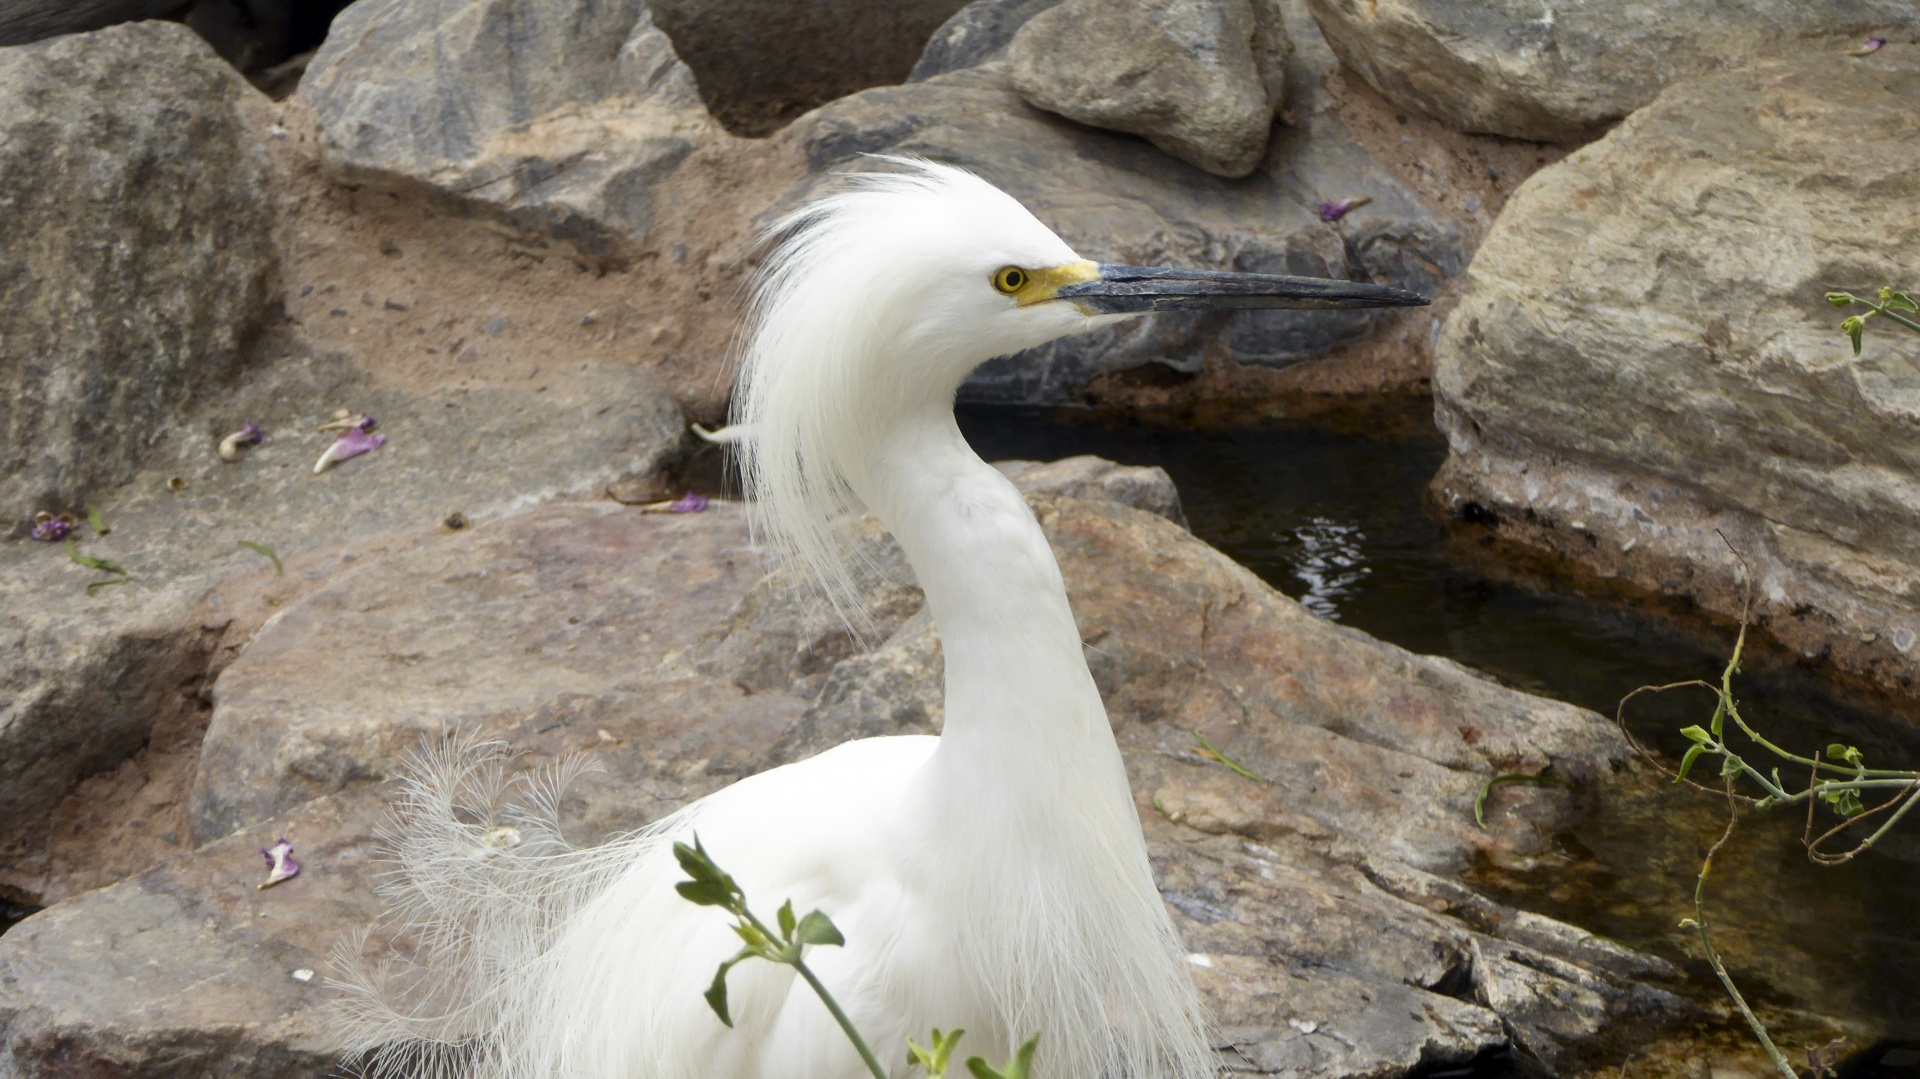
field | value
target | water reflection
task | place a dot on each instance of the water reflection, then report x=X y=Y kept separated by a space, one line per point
x=1326 y=558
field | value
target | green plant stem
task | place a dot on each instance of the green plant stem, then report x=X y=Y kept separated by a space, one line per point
x=1713 y=957
x=833 y=1006
x=1900 y=318
x=846 y=1025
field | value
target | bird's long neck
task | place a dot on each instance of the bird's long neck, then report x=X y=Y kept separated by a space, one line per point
x=1020 y=703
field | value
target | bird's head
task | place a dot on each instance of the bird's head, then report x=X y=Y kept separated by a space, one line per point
x=877 y=301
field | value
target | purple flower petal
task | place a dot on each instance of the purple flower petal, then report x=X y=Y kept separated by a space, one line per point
x=280 y=863
x=688 y=503
x=1873 y=45
x=1334 y=211
x=352 y=442
x=249 y=435
x=50 y=529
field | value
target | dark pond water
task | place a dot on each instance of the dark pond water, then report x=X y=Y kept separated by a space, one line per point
x=1337 y=520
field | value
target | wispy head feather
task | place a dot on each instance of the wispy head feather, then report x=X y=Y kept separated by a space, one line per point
x=872 y=308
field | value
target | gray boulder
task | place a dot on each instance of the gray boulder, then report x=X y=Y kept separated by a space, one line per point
x=1644 y=360
x=1563 y=72
x=136 y=260
x=556 y=117
x=761 y=63
x=1201 y=79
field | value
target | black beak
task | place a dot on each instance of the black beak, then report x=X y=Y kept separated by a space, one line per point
x=1132 y=289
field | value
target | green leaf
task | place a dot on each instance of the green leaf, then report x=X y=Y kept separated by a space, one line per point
x=1846 y=753
x=1696 y=735
x=695 y=862
x=1719 y=721
x=101 y=564
x=1900 y=301
x=1208 y=749
x=713 y=887
x=1686 y=762
x=1730 y=765
x=704 y=893
x=1851 y=328
x=934 y=1058
x=1844 y=801
x=759 y=943
x=1020 y=1067
x=1486 y=790
x=716 y=993
x=95 y=522
x=261 y=548
x=786 y=920
x=817 y=928
x=1840 y=299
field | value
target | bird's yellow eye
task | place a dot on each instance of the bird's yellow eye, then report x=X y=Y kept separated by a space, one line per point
x=1010 y=279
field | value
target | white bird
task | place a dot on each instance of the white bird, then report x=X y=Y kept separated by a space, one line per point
x=994 y=877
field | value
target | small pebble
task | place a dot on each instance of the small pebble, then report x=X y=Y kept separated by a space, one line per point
x=303 y=975
x=496 y=324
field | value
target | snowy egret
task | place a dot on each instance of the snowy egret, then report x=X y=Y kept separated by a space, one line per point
x=993 y=878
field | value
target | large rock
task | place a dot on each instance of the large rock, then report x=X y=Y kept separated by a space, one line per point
x=1201 y=79
x=1564 y=71
x=87 y=678
x=1644 y=361
x=559 y=117
x=1329 y=931
x=762 y=62
x=136 y=258
x=1119 y=200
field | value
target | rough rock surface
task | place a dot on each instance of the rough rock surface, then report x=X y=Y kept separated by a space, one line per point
x=1119 y=200
x=1645 y=359
x=559 y=609
x=88 y=677
x=760 y=63
x=559 y=117
x=136 y=257
x=1563 y=71
x=1327 y=929
x=1201 y=79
